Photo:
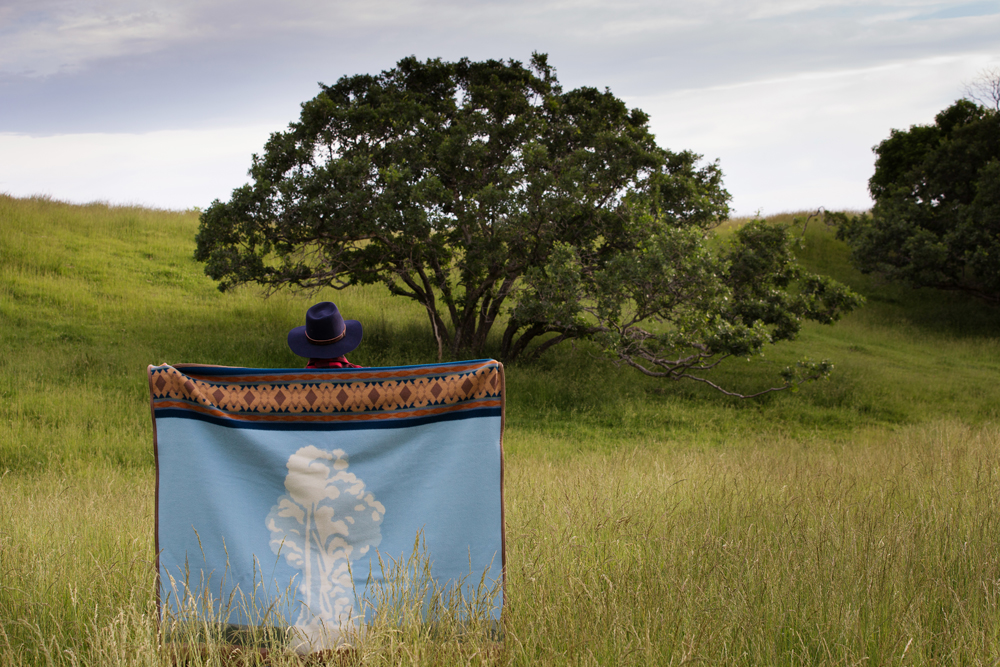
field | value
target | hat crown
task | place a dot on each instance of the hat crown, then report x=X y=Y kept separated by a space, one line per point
x=326 y=334
x=324 y=323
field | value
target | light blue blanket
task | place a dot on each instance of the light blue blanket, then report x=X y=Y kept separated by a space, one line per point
x=277 y=489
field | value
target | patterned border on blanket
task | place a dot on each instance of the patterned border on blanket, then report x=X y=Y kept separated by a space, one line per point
x=332 y=396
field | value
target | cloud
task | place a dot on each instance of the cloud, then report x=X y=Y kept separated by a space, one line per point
x=144 y=65
x=50 y=36
x=175 y=169
x=162 y=103
x=988 y=8
x=805 y=141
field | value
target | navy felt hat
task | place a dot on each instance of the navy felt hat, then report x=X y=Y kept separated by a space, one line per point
x=326 y=334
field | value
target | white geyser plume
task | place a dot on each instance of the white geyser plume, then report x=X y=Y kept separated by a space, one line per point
x=324 y=521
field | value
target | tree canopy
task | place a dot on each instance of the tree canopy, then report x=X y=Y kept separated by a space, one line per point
x=487 y=194
x=936 y=218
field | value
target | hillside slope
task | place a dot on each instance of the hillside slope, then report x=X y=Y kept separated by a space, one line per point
x=89 y=295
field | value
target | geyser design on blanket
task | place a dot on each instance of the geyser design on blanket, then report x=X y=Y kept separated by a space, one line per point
x=325 y=516
x=278 y=489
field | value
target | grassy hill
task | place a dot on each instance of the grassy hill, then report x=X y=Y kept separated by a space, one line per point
x=89 y=295
x=648 y=522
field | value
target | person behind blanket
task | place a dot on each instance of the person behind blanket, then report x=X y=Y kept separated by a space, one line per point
x=326 y=337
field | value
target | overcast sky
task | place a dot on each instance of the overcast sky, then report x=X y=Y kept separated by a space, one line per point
x=163 y=103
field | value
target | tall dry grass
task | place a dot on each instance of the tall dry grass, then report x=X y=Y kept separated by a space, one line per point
x=786 y=551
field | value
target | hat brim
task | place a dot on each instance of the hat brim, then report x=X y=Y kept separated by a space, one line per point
x=301 y=346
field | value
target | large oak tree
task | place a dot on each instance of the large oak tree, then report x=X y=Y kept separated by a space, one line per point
x=488 y=194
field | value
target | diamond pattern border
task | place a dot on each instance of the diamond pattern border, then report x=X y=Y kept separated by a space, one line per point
x=310 y=393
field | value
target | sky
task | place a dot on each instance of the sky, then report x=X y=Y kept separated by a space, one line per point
x=162 y=104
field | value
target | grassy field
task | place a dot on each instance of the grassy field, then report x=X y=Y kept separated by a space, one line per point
x=852 y=522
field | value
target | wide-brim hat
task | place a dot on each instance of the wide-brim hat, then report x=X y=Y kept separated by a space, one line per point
x=326 y=333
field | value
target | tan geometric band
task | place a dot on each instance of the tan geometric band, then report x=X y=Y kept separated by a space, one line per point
x=326 y=397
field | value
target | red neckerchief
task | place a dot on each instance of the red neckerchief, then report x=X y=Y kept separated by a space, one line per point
x=339 y=362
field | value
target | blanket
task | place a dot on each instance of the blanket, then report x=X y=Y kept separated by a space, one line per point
x=283 y=487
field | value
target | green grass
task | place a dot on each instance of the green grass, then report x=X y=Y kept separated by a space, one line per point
x=853 y=521
x=779 y=552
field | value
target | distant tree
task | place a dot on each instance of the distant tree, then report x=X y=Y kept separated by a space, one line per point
x=936 y=218
x=485 y=193
x=984 y=90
